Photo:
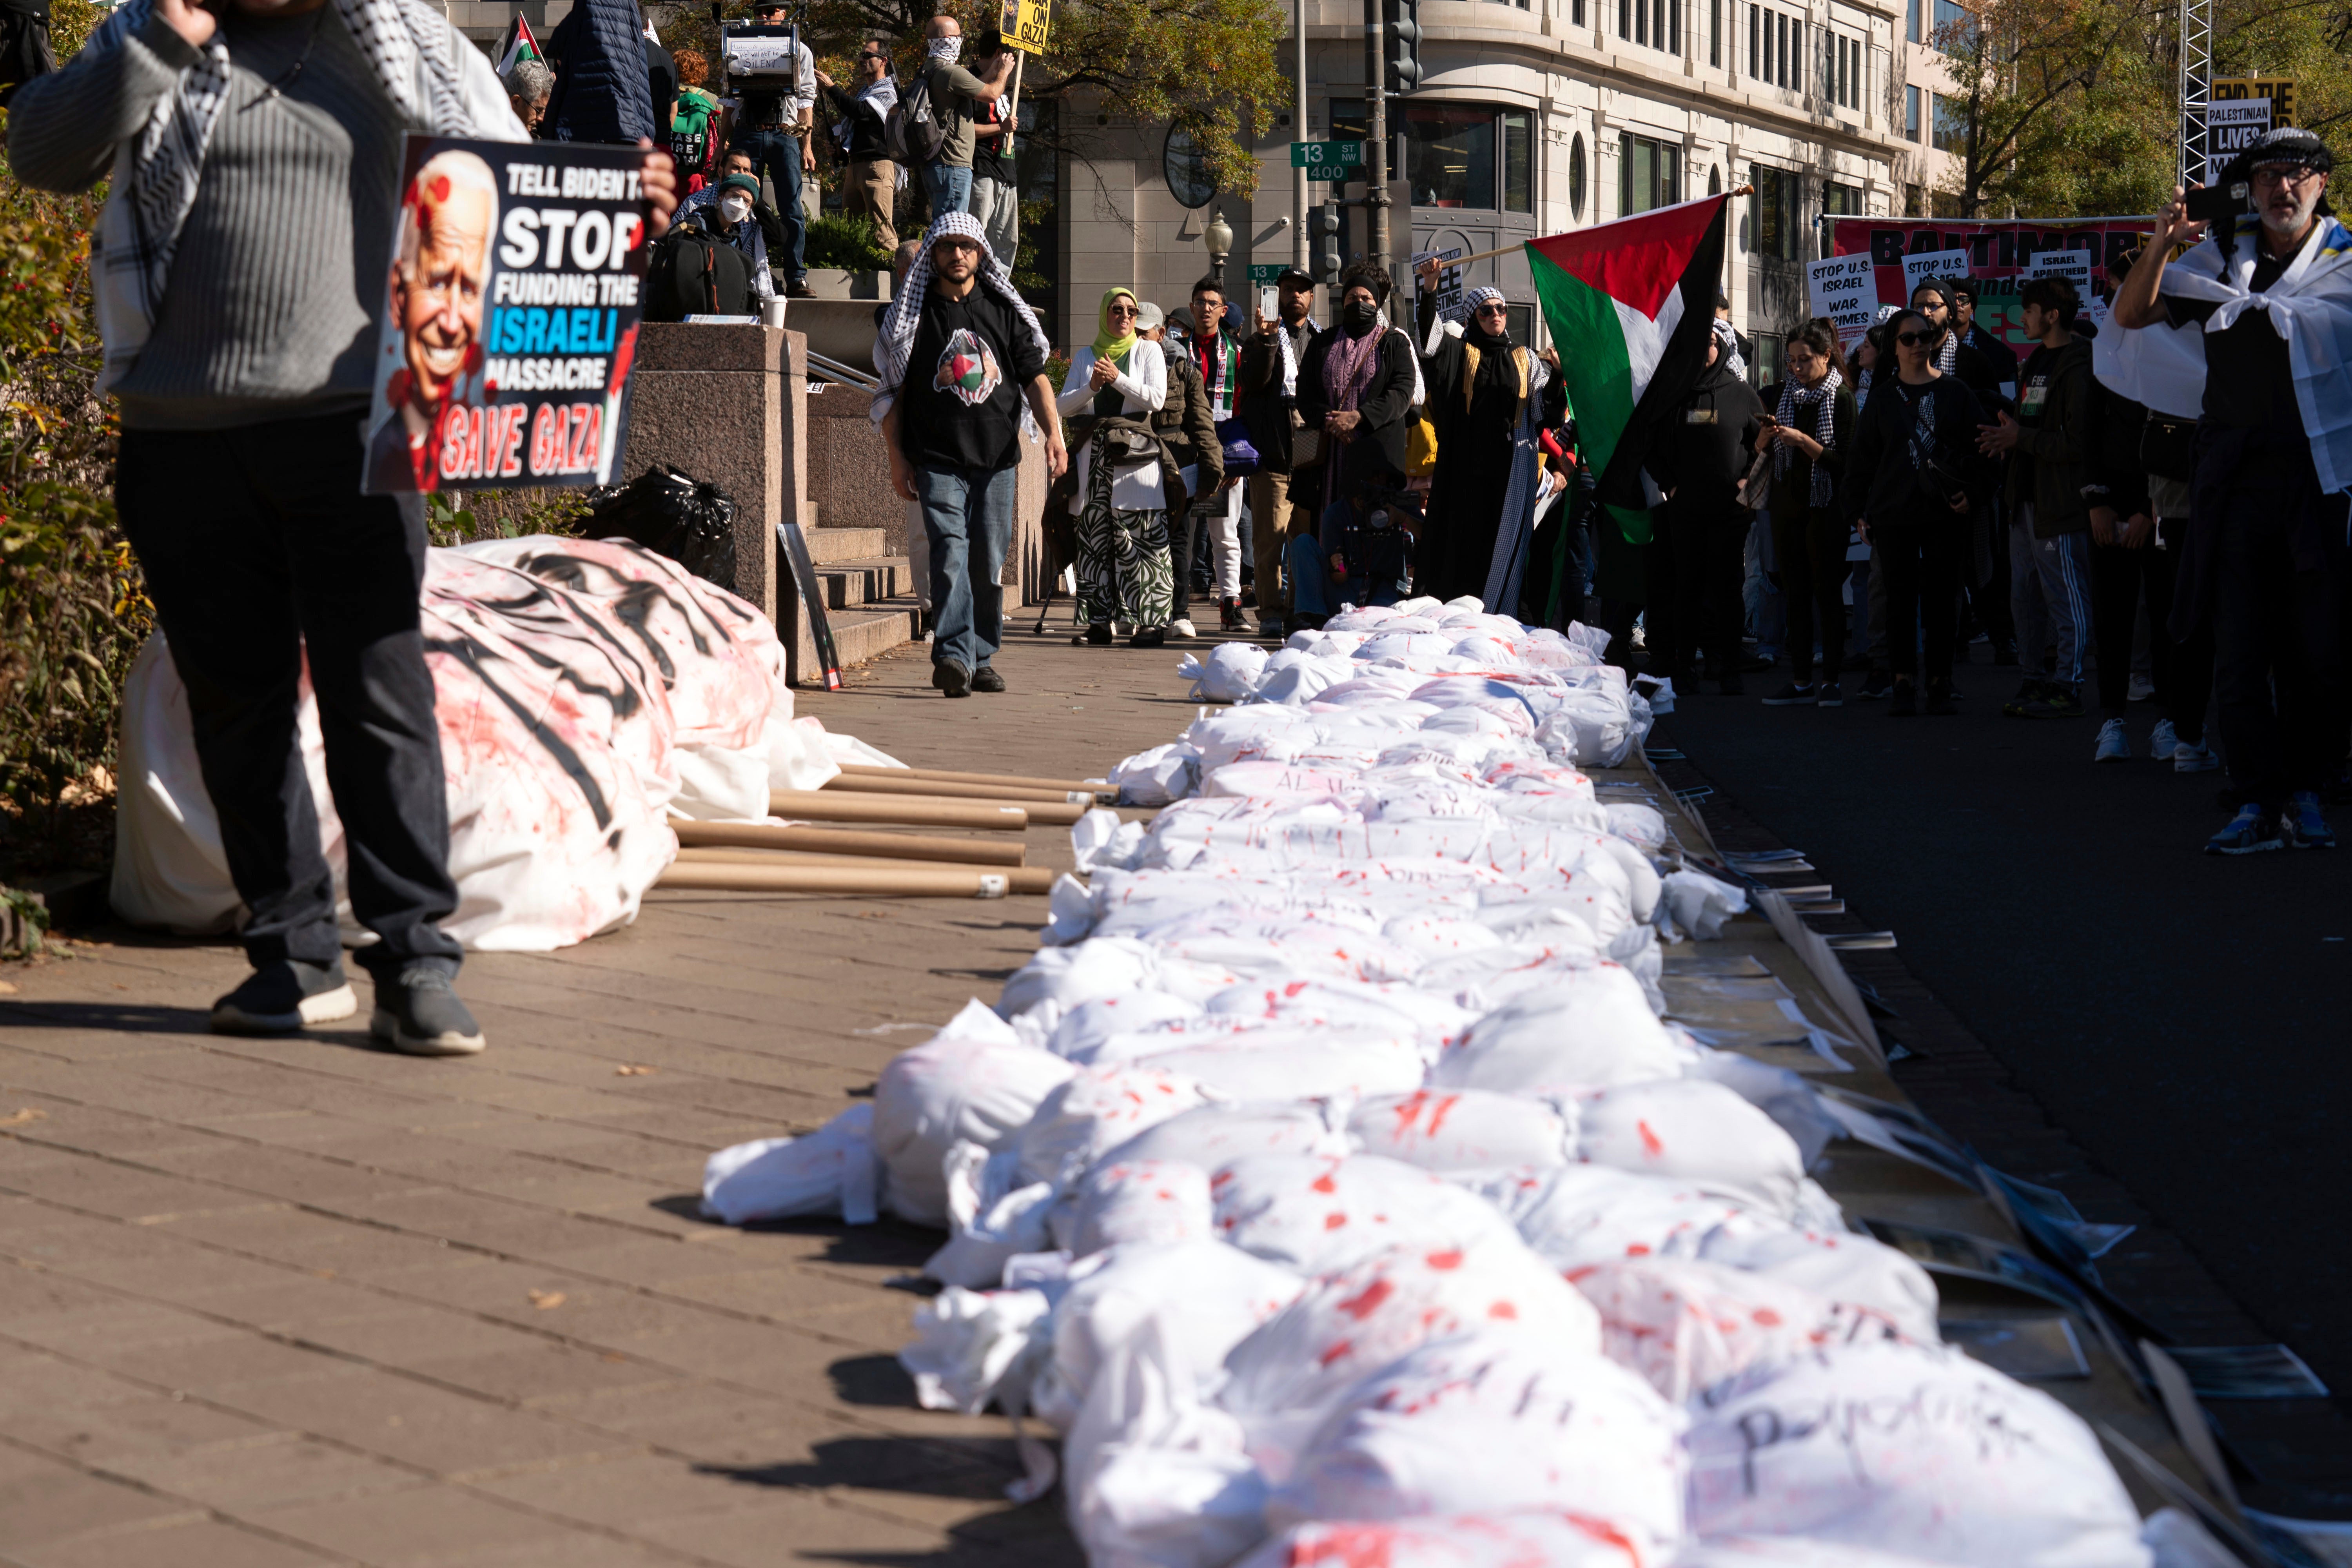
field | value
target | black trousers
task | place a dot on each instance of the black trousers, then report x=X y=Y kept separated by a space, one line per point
x=2278 y=635
x=1810 y=551
x=258 y=551
x=1920 y=554
x=2122 y=580
x=1696 y=566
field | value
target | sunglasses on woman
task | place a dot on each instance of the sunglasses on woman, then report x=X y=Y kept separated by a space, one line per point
x=1123 y=311
x=1912 y=340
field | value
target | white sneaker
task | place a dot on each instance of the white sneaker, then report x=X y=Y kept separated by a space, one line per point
x=2113 y=746
x=2142 y=688
x=1181 y=629
x=2197 y=758
x=2162 y=742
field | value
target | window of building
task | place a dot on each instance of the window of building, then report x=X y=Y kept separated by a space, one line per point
x=1518 y=163
x=1911 y=28
x=1755 y=49
x=1187 y=169
x=1911 y=113
x=1576 y=178
x=1775 y=212
x=1911 y=207
x=1466 y=155
x=1715 y=32
x=1951 y=131
x=1955 y=16
x=1837 y=201
x=1649 y=175
x=1781 y=60
x=1764 y=365
x=1575 y=12
x=1653 y=24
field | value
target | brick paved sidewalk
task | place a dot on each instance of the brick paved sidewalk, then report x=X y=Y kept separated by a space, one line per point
x=269 y=1303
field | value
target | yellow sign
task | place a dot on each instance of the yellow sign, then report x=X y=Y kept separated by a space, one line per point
x=1025 y=25
x=2278 y=90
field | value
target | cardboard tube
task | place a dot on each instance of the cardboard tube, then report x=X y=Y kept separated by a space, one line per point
x=949 y=789
x=909 y=810
x=883 y=882
x=1061 y=786
x=1017 y=878
x=840 y=841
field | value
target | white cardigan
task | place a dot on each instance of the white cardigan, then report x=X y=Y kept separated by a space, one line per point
x=1144 y=389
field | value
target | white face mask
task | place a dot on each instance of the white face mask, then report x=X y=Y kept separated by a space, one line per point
x=735 y=207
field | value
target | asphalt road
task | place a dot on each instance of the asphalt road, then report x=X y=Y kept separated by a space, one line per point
x=2184 y=1017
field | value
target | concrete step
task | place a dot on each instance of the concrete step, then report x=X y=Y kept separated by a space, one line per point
x=872 y=630
x=850 y=584
x=829 y=545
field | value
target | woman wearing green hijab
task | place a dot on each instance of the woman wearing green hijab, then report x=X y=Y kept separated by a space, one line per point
x=1121 y=509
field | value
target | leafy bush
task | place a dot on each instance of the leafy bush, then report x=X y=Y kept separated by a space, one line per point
x=468 y=516
x=837 y=240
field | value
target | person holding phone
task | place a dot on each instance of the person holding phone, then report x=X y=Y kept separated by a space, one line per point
x=257 y=150
x=1280 y=334
x=1910 y=485
x=2264 y=561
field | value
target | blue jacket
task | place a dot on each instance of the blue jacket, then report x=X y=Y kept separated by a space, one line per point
x=602 y=92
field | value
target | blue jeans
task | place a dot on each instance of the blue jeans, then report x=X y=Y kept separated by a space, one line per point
x=968 y=520
x=950 y=189
x=778 y=155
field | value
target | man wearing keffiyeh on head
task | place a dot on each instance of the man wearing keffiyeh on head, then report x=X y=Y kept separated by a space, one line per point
x=255 y=147
x=961 y=362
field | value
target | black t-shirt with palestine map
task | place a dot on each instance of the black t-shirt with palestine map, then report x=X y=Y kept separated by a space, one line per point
x=960 y=404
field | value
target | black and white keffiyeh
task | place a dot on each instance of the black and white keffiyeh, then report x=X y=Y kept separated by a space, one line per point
x=1820 y=400
x=1731 y=358
x=435 y=82
x=896 y=341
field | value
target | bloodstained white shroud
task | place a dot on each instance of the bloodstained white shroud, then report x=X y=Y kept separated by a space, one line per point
x=586 y=690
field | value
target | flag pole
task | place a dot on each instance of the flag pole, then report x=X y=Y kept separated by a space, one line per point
x=1506 y=250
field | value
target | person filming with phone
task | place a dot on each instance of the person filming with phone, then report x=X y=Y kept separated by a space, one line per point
x=255 y=147
x=2268 y=280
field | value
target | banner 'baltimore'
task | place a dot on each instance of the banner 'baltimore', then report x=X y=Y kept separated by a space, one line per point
x=1629 y=304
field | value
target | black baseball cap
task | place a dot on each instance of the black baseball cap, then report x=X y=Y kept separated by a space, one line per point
x=1298 y=274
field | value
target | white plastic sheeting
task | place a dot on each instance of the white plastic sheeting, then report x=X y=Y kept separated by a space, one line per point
x=1329 y=1181
x=585 y=692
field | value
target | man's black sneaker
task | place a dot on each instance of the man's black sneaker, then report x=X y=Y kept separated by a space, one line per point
x=2028 y=690
x=284 y=998
x=2056 y=701
x=1939 y=699
x=1148 y=637
x=1791 y=696
x=1876 y=684
x=985 y=678
x=950 y=676
x=1902 y=703
x=2005 y=650
x=1828 y=695
x=417 y=1012
x=1099 y=635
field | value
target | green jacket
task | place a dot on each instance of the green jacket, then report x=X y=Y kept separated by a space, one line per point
x=2050 y=463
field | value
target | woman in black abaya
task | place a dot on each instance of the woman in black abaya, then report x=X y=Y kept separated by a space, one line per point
x=1483 y=401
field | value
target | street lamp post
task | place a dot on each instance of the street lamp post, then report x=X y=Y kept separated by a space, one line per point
x=1219 y=238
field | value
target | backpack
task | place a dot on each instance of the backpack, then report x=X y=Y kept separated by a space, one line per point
x=697 y=273
x=691 y=143
x=912 y=136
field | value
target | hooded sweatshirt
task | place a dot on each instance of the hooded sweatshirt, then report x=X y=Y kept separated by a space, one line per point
x=1703 y=447
x=2049 y=467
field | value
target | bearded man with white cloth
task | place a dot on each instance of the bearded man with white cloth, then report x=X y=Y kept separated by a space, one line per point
x=2267 y=553
x=255 y=155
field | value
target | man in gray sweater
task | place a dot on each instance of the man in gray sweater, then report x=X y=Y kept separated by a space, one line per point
x=255 y=156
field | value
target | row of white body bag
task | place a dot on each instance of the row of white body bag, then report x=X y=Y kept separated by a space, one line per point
x=1329 y=1184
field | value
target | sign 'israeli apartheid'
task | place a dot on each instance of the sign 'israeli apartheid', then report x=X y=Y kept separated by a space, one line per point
x=511 y=307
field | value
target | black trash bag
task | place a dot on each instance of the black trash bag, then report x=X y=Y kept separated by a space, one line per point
x=673 y=514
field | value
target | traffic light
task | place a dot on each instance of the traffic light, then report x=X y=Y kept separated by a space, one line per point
x=1402 y=44
x=1324 y=225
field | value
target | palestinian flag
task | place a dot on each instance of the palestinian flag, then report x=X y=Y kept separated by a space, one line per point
x=517 y=45
x=1630 y=305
